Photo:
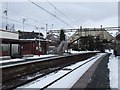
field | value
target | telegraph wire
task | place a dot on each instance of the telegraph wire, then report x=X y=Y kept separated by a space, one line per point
x=60 y=12
x=18 y=21
x=23 y=15
x=50 y=13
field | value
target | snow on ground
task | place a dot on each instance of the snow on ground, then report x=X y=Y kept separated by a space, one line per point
x=66 y=82
x=11 y=60
x=69 y=80
x=41 y=56
x=37 y=56
x=113 y=67
x=75 y=52
x=109 y=51
x=113 y=33
x=23 y=59
x=80 y=63
x=40 y=83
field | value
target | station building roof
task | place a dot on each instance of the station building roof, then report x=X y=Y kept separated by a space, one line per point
x=13 y=41
x=19 y=41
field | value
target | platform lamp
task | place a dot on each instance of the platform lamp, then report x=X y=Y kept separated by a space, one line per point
x=23 y=23
x=102 y=30
x=5 y=12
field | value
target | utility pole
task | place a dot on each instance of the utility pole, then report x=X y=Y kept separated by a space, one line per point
x=80 y=30
x=23 y=26
x=13 y=27
x=46 y=29
x=23 y=23
x=101 y=30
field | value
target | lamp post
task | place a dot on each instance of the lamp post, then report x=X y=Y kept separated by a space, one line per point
x=101 y=30
x=23 y=23
x=23 y=26
x=46 y=29
x=5 y=12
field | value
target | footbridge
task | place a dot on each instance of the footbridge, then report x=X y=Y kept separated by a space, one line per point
x=82 y=32
x=102 y=33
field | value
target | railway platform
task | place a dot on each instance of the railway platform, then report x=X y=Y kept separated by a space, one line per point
x=96 y=77
x=90 y=73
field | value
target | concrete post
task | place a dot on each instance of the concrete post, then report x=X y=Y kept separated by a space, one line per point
x=118 y=44
x=118 y=47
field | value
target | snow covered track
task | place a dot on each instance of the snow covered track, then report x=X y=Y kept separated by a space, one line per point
x=22 y=74
x=71 y=71
x=64 y=78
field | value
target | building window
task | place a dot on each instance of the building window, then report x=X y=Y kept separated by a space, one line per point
x=4 y=47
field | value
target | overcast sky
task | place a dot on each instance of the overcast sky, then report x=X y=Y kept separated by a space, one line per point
x=86 y=14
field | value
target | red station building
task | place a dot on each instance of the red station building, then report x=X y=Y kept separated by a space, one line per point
x=28 y=43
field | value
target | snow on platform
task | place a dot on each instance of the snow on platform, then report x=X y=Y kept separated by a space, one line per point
x=113 y=68
x=24 y=60
x=11 y=60
x=18 y=59
x=68 y=80
x=37 y=56
x=77 y=52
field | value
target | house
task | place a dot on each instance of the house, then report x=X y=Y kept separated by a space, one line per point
x=37 y=46
x=30 y=35
x=14 y=44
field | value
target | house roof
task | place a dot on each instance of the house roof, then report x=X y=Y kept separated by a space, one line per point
x=9 y=31
x=30 y=35
x=19 y=41
x=13 y=41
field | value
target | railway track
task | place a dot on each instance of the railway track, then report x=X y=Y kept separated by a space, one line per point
x=70 y=71
x=35 y=70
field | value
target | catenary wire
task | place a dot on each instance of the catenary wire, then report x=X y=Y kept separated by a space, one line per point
x=50 y=13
